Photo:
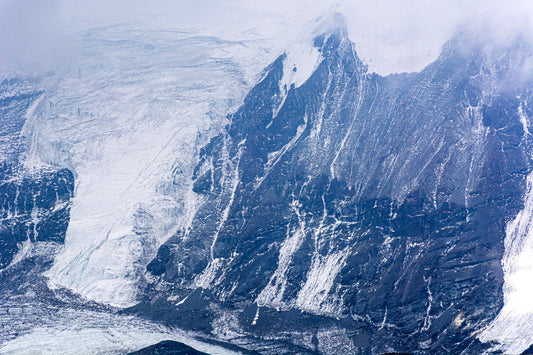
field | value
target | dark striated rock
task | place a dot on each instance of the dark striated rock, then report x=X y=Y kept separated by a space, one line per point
x=375 y=206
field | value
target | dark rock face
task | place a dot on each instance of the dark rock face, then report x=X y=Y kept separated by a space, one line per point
x=34 y=209
x=370 y=207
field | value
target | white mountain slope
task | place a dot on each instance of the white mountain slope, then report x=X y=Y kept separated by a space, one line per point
x=513 y=328
x=127 y=117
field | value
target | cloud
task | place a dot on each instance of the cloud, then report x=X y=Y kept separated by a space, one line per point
x=390 y=35
x=36 y=35
x=406 y=35
x=30 y=32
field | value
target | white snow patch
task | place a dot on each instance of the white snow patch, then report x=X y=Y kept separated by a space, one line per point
x=256 y=317
x=183 y=300
x=513 y=327
x=524 y=120
x=314 y=295
x=33 y=162
x=273 y=293
x=301 y=60
x=24 y=250
x=206 y=278
x=227 y=326
x=234 y=183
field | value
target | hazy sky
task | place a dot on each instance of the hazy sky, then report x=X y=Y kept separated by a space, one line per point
x=391 y=35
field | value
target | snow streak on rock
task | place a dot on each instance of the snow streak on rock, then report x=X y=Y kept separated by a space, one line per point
x=273 y=293
x=315 y=294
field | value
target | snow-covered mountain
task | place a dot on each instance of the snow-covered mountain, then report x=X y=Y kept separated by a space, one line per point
x=377 y=206
x=97 y=160
x=281 y=204
x=128 y=122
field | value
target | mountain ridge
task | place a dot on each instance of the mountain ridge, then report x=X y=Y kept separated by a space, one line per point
x=418 y=202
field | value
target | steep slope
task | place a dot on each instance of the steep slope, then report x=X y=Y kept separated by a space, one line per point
x=376 y=206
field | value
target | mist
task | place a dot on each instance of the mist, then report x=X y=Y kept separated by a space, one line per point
x=407 y=35
x=390 y=36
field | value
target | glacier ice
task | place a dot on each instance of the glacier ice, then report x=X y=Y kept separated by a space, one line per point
x=127 y=117
x=93 y=332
